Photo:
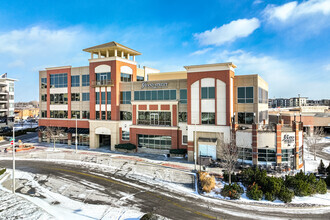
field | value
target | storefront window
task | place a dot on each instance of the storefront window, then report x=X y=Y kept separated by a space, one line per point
x=245 y=118
x=267 y=155
x=244 y=154
x=154 y=118
x=155 y=141
x=83 y=139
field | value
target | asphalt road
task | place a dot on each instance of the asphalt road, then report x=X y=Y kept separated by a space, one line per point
x=155 y=199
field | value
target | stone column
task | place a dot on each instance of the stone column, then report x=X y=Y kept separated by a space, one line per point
x=70 y=139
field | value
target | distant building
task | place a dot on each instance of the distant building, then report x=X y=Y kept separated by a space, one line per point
x=7 y=90
x=298 y=101
x=279 y=102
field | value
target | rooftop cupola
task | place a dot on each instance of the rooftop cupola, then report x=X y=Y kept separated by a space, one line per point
x=112 y=49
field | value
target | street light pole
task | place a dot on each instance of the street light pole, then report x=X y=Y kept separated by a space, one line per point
x=13 y=188
x=76 y=133
x=195 y=149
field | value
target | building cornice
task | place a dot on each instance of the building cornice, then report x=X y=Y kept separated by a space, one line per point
x=111 y=59
x=211 y=67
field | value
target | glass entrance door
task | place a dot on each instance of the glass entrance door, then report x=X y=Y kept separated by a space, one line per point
x=103 y=79
x=154 y=119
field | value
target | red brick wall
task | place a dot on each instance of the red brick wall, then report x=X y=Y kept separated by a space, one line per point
x=278 y=143
x=134 y=115
x=63 y=123
x=174 y=115
x=153 y=107
x=143 y=107
x=165 y=107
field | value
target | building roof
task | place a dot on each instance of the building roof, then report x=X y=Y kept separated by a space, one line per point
x=111 y=45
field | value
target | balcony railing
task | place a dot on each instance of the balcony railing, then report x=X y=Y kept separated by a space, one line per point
x=154 y=122
x=106 y=82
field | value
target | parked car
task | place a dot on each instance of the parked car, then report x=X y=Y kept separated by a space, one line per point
x=5 y=129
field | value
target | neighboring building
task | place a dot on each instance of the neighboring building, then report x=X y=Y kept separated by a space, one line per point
x=322 y=102
x=7 y=91
x=25 y=113
x=298 y=101
x=115 y=103
x=279 y=103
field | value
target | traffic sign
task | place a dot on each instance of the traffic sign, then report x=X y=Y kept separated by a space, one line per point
x=12 y=142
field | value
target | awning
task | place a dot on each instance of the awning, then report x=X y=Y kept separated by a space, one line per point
x=79 y=130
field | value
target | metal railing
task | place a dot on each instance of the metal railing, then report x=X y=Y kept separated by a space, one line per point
x=153 y=122
x=106 y=82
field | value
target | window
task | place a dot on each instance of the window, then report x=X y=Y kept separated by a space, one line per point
x=103 y=76
x=44 y=114
x=85 y=80
x=75 y=114
x=245 y=94
x=103 y=115
x=185 y=139
x=44 y=97
x=183 y=96
x=108 y=115
x=75 y=97
x=109 y=98
x=75 y=81
x=59 y=80
x=155 y=95
x=263 y=115
x=154 y=118
x=44 y=83
x=208 y=92
x=208 y=118
x=139 y=78
x=263 y=95
x=245 y=118
x=97 y=98
x=182 y=116
x=286 y=154
x=124 y=77
x=125 y=97
x=102 y=97
x=155 y=141
x=97 y=115
x=244 y=154
x=85 y=96
x=59 y=98
x=267 y=155
x=125 y=116
x=11 y=87
x=11 y=105
x=125 y=135
x=59 y=114
x=11 y=97
x=85 y=114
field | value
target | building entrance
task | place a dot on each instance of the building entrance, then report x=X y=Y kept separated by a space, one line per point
x=105 y=141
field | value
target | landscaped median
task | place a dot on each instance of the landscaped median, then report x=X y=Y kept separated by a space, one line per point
x=253 y=184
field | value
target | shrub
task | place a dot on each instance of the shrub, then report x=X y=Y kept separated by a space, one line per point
x=207 y=181
x=233 y=191
x=270 y=196
x=321 y=168
x=234 y=177
x=286 y=195
x=2 y=171
x=178 y=151
x=321 y=187
x=253 y=192
x=127 y=146
x=148 y=216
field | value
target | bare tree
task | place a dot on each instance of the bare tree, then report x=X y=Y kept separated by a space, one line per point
x=53 y=133
x=229 y=156
x=313 y=139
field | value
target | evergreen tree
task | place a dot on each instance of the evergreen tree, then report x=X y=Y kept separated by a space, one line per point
x=321 y=168
x=328 y=170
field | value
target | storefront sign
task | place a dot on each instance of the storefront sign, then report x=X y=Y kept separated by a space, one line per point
x=153 y=85
x=288 y=139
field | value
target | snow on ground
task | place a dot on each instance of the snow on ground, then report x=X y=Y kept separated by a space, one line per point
x=317 y=199
x=326 y=150
x=62 y=207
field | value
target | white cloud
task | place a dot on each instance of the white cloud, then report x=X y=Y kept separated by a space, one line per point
x=228 y=32
x=256 y=2
x=292 y=11
x=284 y=79
x=200 y=52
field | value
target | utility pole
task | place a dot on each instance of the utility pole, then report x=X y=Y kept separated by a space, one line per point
x=13 y=160
x=76 y=133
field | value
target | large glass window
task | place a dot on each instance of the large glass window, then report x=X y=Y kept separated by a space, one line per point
x=125 y=135
x=103 y=76
x=245 y=94
x=139 y=78
x=124 y=77
x=75 y=114
x=85 y=80
x=75 y=81
x=267 y=155
x=97 y=97
x=85 y=96
x=154 y=118
x=97 y=115
x=263 y=115
x=244 y=154
x=245 y=117
x=155 y=95
x=59 y=98
x=208 y=92
x=85 y=114
x=155 y=141
x=125 y=97
x=44 y=83
x=182 y=116
x=44 y=97
x=125 y=116
x=102 y=97
x=59 y=114
x=287 y=155
x=109 y=98
x=59 y=80
x=109 y=115
x=183 y=96
x=263 y=96
x=103 y=115
x=208 y=118
x=75 y=97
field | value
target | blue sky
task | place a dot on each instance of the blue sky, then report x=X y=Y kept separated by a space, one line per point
x=285 y=42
